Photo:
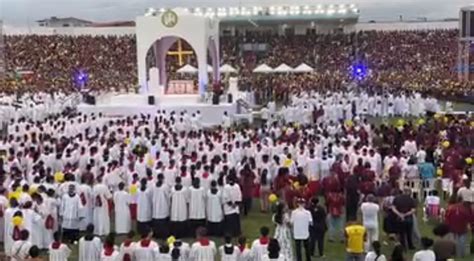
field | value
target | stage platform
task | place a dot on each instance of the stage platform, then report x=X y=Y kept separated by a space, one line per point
x=122 y=105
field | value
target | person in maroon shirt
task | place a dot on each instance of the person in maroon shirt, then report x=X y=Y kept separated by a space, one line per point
x=457 y=217
x=367 y=184
x=247 y=178
x=331 y=184
x=394 y=173
x=335 y=204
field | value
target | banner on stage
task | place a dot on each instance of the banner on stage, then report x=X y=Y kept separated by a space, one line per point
x=181 y=87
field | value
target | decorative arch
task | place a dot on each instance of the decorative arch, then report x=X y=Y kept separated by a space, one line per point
x=196 y=30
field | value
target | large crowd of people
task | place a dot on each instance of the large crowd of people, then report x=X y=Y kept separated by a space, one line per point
x=422 y=61
x=88 y=179
x=162 y=187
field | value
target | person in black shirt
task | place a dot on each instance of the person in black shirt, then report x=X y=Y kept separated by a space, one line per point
x=404 y=207
x=318 y=228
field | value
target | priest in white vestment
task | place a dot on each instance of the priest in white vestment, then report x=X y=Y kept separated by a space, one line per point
x=179 y=210
x=232 y=197
x=144 y=208
x=123 y=219
x=161 y=208
x=101 y=195
x=197 y=205
x=70 y=212
x=214 y=212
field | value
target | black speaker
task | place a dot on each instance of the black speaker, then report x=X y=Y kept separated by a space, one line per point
x=230 y=98
x=151 y=100
x=89 y=99
x=215 y=99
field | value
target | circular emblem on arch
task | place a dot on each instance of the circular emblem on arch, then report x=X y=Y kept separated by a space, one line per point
x=169 y=18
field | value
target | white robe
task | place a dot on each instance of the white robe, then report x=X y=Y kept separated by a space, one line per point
x=148 y=253
x=70 y=211
x=3 y=208
x=59 y=254
x=144 y=205
x=8 y=230
x=179 y=204
x=33 y=222
x=197 y=203
x=115 y=256
x=231 y=193
x=161 y=201
x=229 y=257
x=90 y=250
x=214 y=207
x=123 y=219
x=20 y=250
x=203 y=253
x=258 y=250
x=88 y=208
x=101 y=213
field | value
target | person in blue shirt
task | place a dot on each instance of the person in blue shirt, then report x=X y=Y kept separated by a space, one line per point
x=427 y=170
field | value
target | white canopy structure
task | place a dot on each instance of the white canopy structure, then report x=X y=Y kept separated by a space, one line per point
x=283 y=68
x=303 y=68
x=209 y=69
x=263 y=68
x=226 y=68
x=188 y=69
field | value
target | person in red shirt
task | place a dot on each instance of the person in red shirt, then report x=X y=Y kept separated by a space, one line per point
x=394 y=173
x=331 y=184
x=457 y=217
x=335 y=204
x=247 y=179
x=367 y=184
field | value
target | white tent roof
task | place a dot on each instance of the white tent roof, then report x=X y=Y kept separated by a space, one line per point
x=282 y=68
x=263 y=68
x=226 y=68
x=303 y=68
x=209 y=68
x=187 y=69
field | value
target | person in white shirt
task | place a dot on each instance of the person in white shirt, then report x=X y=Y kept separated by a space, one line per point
x=370 y=213
x=20 y=248
x=301 y=220
x=232 y=196
x=260 y=245
x=375 y=254
x=426 y=254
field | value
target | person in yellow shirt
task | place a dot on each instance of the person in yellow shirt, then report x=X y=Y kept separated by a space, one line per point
x=355 y=235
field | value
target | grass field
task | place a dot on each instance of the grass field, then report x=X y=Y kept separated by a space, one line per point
x=333 y=251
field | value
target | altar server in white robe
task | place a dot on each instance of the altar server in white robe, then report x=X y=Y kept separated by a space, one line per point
x=161 y=208
x=179 y=250
x=3 y=208
x=259 y=246
x=101 y=208
x=232 y=197
x=110 y=251
x=49 y=210
x=58 y=251
x=214 y=212
x=146 y=249
x=20 y=248
x=70 y=212
x=179 y=210
x=90 y=246
x=8 y=229
x=229 y=252
x=33 y=222
x=203 y=249
x=123 y=219
x=144 y=208
x=197 y=205
x=87 y=201
x=127 y=247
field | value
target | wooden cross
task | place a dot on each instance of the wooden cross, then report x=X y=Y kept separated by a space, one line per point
x=180 y=53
